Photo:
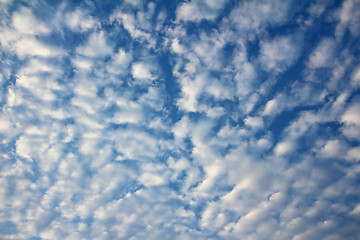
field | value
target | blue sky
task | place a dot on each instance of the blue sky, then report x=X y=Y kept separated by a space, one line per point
x=203 y=119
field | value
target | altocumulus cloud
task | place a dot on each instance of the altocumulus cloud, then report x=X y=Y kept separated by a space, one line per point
x=180 y=119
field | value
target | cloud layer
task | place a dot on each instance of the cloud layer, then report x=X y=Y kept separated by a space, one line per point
x=181 y=120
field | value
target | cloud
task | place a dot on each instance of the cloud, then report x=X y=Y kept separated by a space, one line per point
x=351 y=120
x=97 y=46
x=129 y=112
x=176 y=46
x=136 y=145
x=198 y=10
x=191 y=89
x=271 y=107
x=138 y=25
x=333 y=149
x=25 y=22
x=255 y=15
x=355 y=77
x=78 y=21
x=120 y=62
x=323 y=55
x=32 y=47
x=245 y=79
x=279 y=53
x=353 y=154
x=141 y=71
x=254 y=122
x=348 y=16
x=82 y=63
x=284 y=147
x=189 y=120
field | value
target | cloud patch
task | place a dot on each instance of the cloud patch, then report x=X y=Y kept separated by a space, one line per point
x=181 y=120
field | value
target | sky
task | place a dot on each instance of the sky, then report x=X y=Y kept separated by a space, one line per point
x=202 y=119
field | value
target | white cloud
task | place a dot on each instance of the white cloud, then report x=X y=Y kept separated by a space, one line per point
x=271 y=107
x=353 y=154
x=351 y=116
x=5 y=125
x=142 y=71
x=179 y=164
x=120 y=62
x=97 y=46
x=138 y=25
x=135 y=2
x=149 y=179
x=25 y=23
x=355 y=77
x=315 y=10
x=351 y=119
x=255 y=15
x=283 y=148
x=182 y=128
x=176 y=46
x=245 y=79
x=349 y=19
x=5 y=2
x=254 y=122
x=82 y=63
x=333 y=148
x=190 y=11
x=78 y=21
x=154 y=98
x=279 y=53
x=129 y=113
x=219 y=90
x=36 y=87
x=198 y=10
x=8 y=36
x=323 y=55
x=356 y=211
x=153 y=175
x=136 y=145
x=87 y=153
x=191 y=89
x=32 y=47
x=38 y=66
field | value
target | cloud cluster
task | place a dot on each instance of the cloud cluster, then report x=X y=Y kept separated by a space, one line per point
x=182 y=120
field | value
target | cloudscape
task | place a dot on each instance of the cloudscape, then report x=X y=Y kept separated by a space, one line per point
x=201 y=119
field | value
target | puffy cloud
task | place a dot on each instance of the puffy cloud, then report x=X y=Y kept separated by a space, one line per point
x=284 y=148
x=191 y=89
x=353 y=154
x=254 y=122
x=323 y=55
x=255 y=15
x=120 y=62
x=32 y=47
x=191 y=120
x=198 y=10
x=78 y=21
x=97 y=46
x=279 y=53
x=355 y=77
x=352 y=122
x=271 y=107
x=245 y=78
x=25 y=22
x=176 y=46
x=141 y=71
x=140 y=24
